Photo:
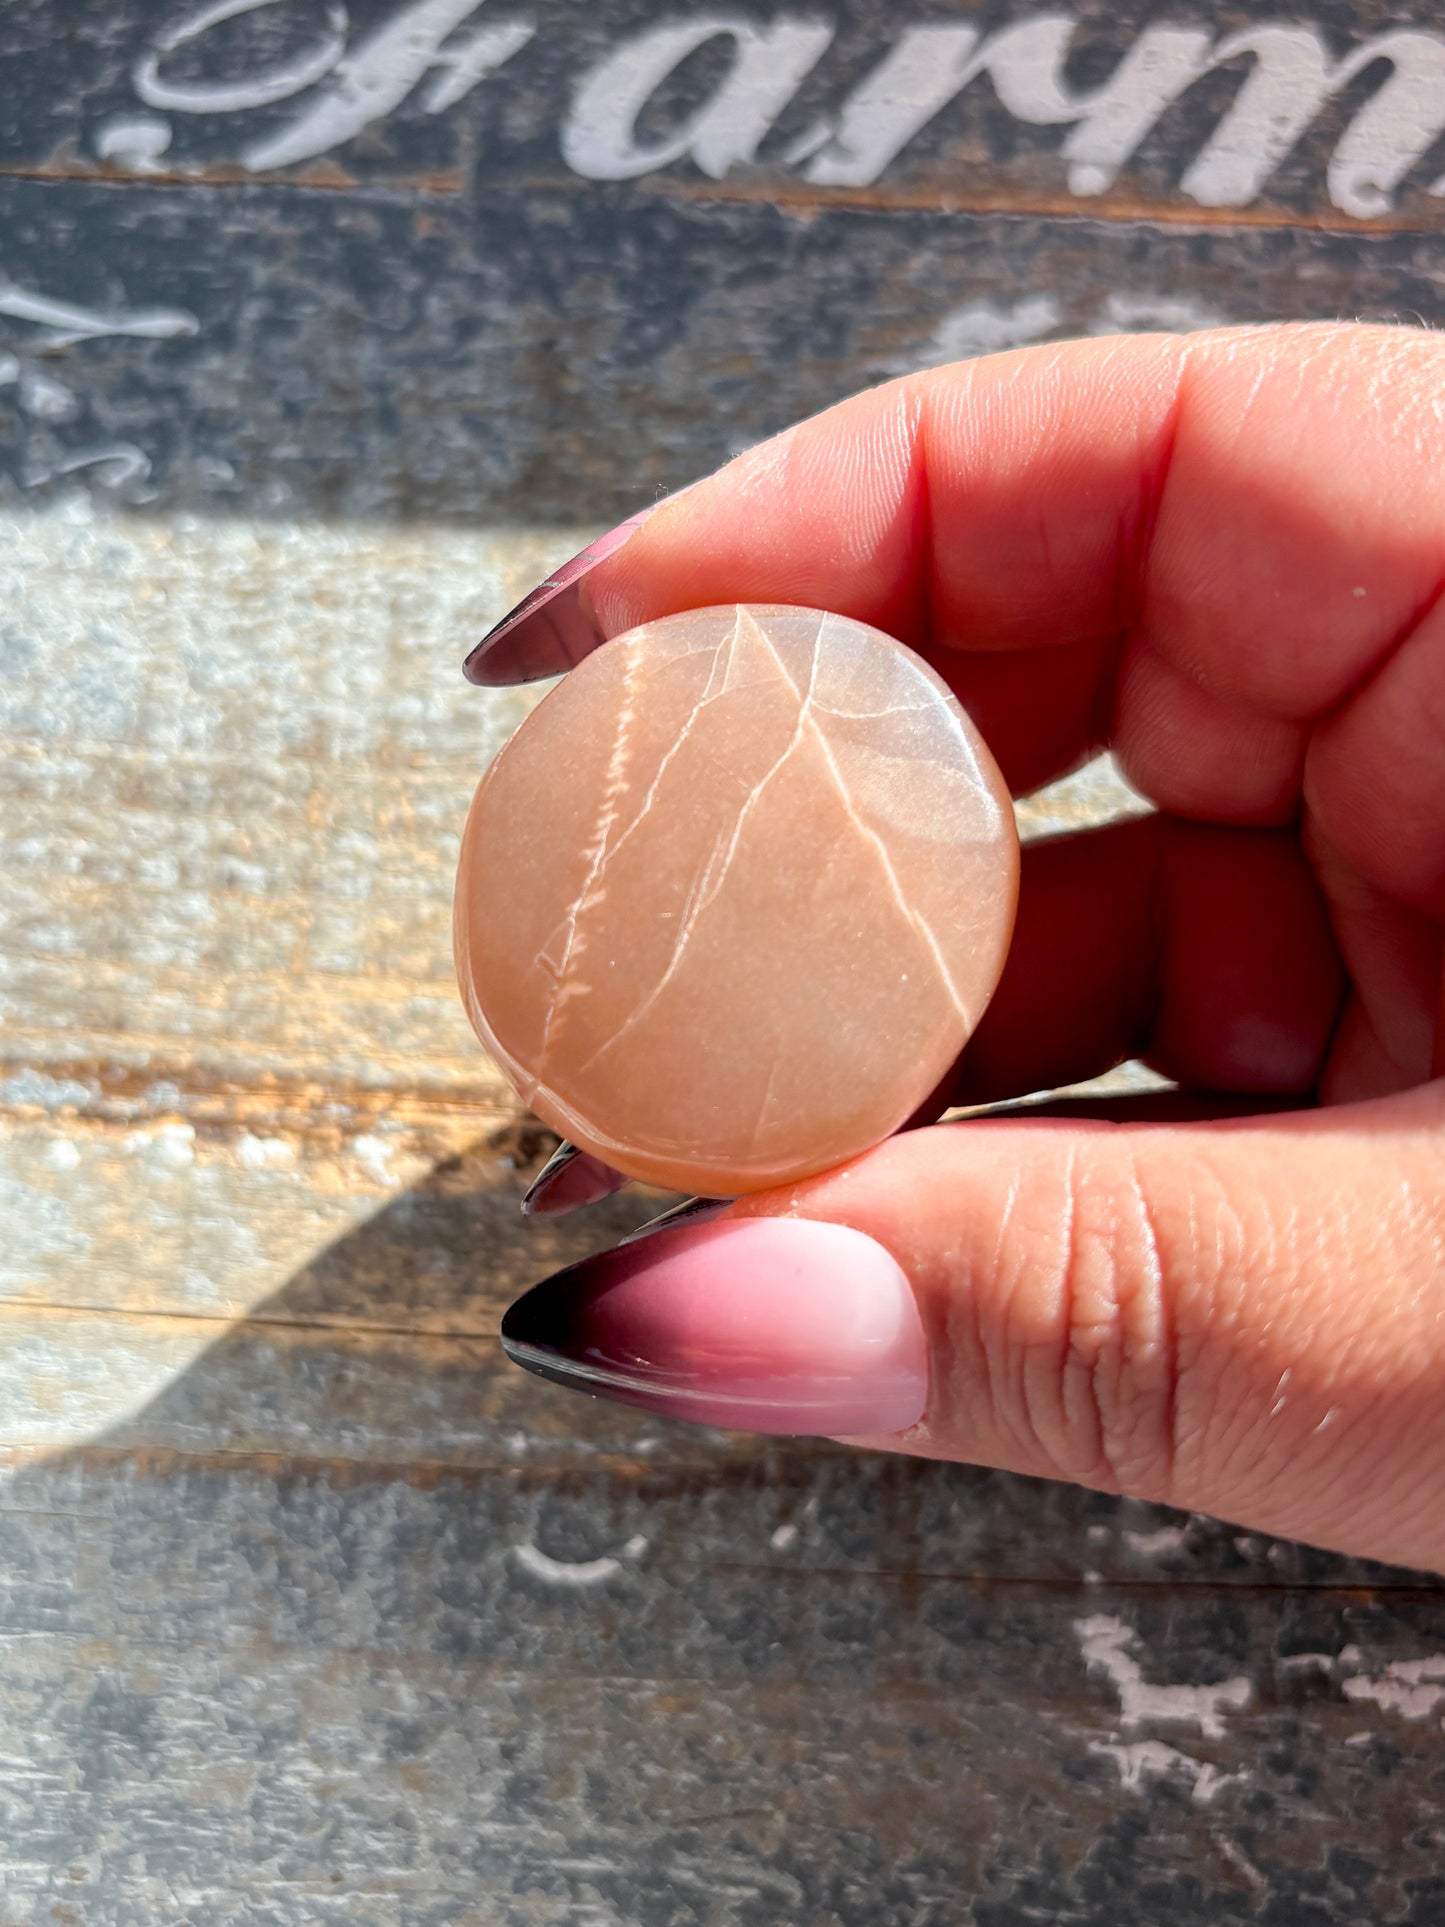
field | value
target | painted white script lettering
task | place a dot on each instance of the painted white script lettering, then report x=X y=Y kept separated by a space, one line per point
x=599 y=138
x=253 y=90
x=1292 y=76
x=930 y=66
x=379 y=74
x=66 y=322
x=1290 y=82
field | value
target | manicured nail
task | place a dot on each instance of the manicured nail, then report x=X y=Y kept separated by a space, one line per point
x=690 y=1211
x=554 y=627
x=759 y=1324
x=568 y=1180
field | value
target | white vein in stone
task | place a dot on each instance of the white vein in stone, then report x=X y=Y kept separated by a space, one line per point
x=722 y=660
x=873 y=715
x=564 y=985
x=714 y=874
x=870 y=835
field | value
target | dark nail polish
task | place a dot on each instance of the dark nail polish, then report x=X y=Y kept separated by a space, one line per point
x=570 y=1179
x=554 y=627
x=690 y=1211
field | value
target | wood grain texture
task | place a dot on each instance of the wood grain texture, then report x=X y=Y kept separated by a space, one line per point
x=311 y=1609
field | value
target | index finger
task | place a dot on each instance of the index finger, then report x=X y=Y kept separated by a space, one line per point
x=1254 y=512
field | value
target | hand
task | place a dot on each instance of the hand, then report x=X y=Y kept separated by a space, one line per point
x=1222 y=557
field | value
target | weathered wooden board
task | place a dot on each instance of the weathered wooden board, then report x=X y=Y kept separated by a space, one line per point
x=323 y=333
x=362 y=356
x=1330 y=116
x=804 y=1691
x=235 y=760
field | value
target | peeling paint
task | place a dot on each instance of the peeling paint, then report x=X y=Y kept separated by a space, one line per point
x=1413 y=1688
x=1108 y=1646
x=1140 y=1761
x=581 y=1573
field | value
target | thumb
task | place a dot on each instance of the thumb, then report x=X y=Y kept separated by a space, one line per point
x=1245 y=1318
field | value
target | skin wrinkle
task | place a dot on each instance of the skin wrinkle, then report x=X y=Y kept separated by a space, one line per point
x=1175 y=741
x=920 y=521
x=1164 y=1342
x=1183 y=1437
x=895 y=445
x=1209 y=1431
x=1057 y=1366
x=1002 y=1360
x=1391 y=972
x=1137 y=546
x=1373 y=671
x=1090 y=1343
x=1323 y=777
x=1066 y=1352
x=965 y=1302
x=1275 y=1255
x=1119 y=1349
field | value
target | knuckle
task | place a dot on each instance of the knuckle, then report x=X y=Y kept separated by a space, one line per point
x=1101 y=1391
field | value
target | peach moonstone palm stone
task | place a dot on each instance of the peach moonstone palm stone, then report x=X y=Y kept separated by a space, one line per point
x=734 y=896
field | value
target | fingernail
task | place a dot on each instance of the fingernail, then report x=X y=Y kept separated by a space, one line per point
x=554 y=627
x=690 y=1211
x=568 y=1180
x=759 y=1324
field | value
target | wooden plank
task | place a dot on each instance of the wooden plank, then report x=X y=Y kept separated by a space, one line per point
x=236 y=762
x=391 y=339
x=392 y=1704
x=1116 y=107
x=351 y=362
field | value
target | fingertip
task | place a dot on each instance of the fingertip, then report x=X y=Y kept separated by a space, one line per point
x=822 y=515
x=555 y=625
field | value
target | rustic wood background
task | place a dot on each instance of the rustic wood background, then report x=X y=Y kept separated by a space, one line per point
x=311 y=1610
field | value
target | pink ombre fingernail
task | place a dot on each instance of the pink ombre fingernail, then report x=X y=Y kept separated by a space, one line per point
x=569 y=1180
x=760 y=1324
x=554 y=627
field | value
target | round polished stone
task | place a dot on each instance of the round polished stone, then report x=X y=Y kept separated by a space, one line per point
x=735 y=895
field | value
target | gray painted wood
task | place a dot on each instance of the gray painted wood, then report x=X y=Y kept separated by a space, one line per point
x=311 y=1610
x=451 y=312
